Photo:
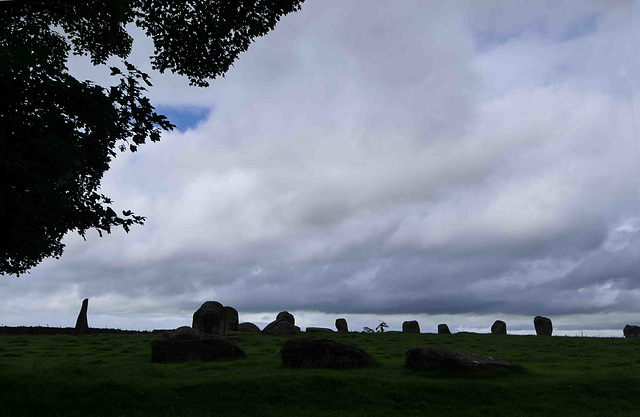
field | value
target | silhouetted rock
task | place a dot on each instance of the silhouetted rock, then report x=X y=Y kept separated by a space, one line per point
x=209 y=318
x=341 y=325
x=82 y=325
x=443 y=329
x=499 y=327
x=429 y=358
x=286 y=316
x=280 y=327
x=318 y=330
x=181 y=333
x=209 y=348
x=631 y=331
x=248 y=328
x=410 y=327
x=305 y=352
x=230 y=319
x=543 y=326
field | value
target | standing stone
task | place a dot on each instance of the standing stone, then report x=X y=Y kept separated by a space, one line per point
x=410 y=327
x=443 y=329
x=230 y=319
x=631 y=331
x=285 y=315
x=209 y=318
x=543 y=326
x=341 y=325
x=82 y=326
x=280 y=327
x=499 y=327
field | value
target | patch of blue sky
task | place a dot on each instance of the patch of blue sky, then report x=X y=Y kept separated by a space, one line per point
x=184 y=118
x=581 y=28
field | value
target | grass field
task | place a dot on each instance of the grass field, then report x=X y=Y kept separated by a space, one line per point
x=112 y=375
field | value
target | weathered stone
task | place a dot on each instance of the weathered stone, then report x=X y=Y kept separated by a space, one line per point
x=280 y=327
x=230 y=319
x=286 y=316
x=209 y=318
x=341 y=325
x=411 y=327
x=209 y=348
x=431 y=358
x=443 y=329
x=499 y=327
x=181 y=333
x=318 y=330
x=631 y=331
x=543 y=326
x=304 y=352
x=248 y=328
x=82 y=325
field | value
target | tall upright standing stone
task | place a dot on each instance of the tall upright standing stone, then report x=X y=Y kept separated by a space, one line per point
x=209 y=319
x=230 y=319
x=285 y=315
x=82 y=325
x=341 y=325
x=543 y=326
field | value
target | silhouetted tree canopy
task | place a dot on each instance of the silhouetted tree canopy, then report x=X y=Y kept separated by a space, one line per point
x=59 y=134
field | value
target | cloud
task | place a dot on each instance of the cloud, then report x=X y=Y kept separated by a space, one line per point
x=472 y=159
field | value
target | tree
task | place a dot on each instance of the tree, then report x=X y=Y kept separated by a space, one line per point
x=59 y=134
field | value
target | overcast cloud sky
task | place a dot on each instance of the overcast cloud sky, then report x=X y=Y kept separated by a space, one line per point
x=461 y=162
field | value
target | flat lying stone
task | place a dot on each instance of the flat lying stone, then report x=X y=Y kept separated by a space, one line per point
x=314 y=352
x=431 y=358
x=318 y=330
x=181 y=350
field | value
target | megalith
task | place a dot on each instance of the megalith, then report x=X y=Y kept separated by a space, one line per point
x=280 y=327
x=248 y=328
x=543 y=326
x=631 y=331
x=285 y=315
x=443 y=329
x=82 y=325
x=230 y=319
x=313 y=352
x=433 y=358
x=411 y=327
x=499 y=327
x=209 y=318
x=341 y=325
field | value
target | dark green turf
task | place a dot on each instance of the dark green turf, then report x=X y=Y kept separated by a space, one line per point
x=112 y=375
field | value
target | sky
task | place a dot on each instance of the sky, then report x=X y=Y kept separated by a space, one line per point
x=447 y=162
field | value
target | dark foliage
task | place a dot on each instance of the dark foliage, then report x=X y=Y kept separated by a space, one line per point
x=59 y=134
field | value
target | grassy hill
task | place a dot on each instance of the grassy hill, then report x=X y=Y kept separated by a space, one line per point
x=112 y=375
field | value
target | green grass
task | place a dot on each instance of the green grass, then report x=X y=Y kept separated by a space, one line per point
x=112 y=375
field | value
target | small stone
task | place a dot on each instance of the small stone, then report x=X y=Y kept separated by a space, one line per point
x=443 y=329
x=543 y=326
x=411 y=327
x=499 y=327
x=341 y=325
x=631 y=331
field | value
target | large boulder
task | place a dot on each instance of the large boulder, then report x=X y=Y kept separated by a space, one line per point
x=432 y=358
x=341 y=325
x=303 y=352
x=185 y=344
x=499 y=327
x=443 y=329
x=82 y=325
x=230 y=319
x=285 y=315
x=248 y=328
x=411 y=327
x=280 y=327
x=209 y=318
x=543 y=326
x=318 y=330
x=631 y=331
